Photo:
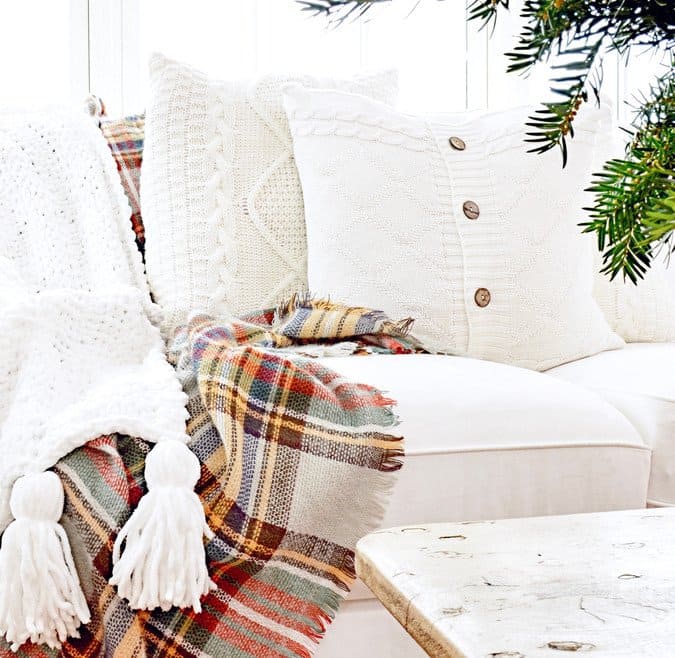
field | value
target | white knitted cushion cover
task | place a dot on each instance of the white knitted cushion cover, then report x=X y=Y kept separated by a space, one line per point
x=391 y=211
x=642 y=313
x=221 y=199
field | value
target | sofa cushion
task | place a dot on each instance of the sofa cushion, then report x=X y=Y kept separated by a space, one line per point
x=448 y=220
x=640 y=382
x=221 y=198
x=489 y=441
x=643 y=313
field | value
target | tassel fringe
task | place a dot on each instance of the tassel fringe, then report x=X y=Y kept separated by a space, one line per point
x=40 y=595
x=158 y=557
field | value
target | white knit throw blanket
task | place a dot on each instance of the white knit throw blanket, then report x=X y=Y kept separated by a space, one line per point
x=79 y=358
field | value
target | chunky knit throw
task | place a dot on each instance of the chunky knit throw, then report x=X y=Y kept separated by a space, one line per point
x=80 y=358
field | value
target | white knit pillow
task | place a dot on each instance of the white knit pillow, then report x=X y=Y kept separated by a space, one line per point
x=389 y=201
x=642 y=313
x=221 y=199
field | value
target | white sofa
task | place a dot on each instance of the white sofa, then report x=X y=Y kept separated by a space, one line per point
x=489 y=441
x=483 y=440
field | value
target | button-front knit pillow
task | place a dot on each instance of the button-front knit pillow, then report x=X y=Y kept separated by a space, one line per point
x=451 y=222
x=222 y=203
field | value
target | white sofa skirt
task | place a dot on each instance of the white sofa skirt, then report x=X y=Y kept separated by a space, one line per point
x=364 y=629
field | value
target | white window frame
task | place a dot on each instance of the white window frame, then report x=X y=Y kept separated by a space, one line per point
x=112 y=46
x=79 y=50
x=106 y=58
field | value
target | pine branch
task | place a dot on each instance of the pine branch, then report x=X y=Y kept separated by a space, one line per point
x=555 y=121
x=486 y=11
x=634 y=207
x=575 y=32
x=339 y=10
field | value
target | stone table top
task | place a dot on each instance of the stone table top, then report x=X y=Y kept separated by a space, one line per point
x=602 y=584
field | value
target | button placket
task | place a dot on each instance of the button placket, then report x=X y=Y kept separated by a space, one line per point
x=471 y=210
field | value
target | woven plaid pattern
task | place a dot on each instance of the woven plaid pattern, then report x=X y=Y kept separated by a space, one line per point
x=125 y=139
x=295 y=464
x=304 y=318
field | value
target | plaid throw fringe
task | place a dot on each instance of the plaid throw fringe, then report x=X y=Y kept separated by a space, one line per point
x=303 y=318
x=296 y=463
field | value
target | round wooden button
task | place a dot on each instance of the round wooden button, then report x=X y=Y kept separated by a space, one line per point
x=482 y=297
x=457 y=143
x=471 y=209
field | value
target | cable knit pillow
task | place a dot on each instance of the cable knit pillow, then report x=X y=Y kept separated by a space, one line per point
x=222 y=203
x=450 y=221
x=642 y=313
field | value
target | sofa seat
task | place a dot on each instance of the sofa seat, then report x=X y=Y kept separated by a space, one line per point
x=486 y=441
x=490 y=441
x=639 y=381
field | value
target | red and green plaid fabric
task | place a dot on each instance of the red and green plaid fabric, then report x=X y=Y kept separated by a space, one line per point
x=125 y=138
x=295 y=464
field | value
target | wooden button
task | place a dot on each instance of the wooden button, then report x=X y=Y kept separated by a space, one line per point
x=482 y=297
x=471 y=209
x=457 y=143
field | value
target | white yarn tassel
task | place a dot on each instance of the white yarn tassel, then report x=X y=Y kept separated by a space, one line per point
x=163 y=563
x=40 y=595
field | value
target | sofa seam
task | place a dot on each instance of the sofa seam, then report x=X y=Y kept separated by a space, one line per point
x=646 y=448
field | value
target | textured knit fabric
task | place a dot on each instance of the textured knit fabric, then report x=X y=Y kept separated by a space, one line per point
x=295 y=463
x=125 y=138
x=79 y=356
x=479 y=244
x=222 y=204
x=643 y=313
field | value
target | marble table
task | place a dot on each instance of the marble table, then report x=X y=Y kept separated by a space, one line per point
x=602 y=584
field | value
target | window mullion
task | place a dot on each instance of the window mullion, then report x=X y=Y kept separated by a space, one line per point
x=79 y=50
x=105 y=52
x=131 y=64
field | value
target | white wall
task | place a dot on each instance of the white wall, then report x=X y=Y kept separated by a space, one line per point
x=43 y=51
x=57 y=50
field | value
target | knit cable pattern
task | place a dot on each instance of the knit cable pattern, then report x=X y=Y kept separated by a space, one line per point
x=222 y=202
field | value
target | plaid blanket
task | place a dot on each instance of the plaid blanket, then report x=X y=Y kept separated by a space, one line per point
x=295 y=464
x=125 y=138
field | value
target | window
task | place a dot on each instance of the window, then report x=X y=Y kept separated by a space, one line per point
x=57 y=50
x=43 y=49
x=427 y=45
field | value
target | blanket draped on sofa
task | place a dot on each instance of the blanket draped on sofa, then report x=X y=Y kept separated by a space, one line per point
x=79 y=358
x=295 y=462
x=289 y=460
